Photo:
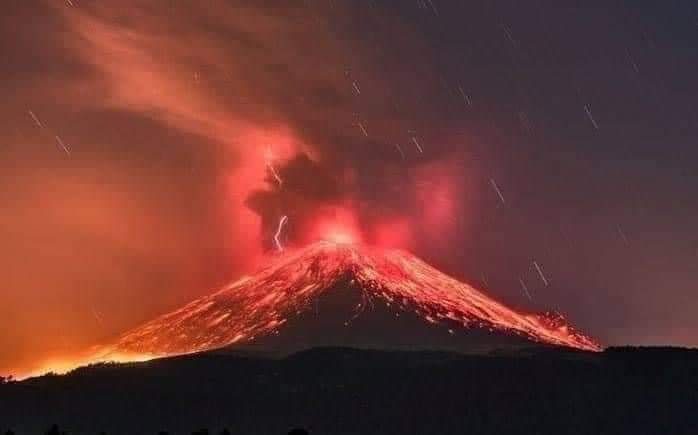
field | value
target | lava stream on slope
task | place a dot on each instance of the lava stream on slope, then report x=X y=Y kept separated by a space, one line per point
x=260 y=305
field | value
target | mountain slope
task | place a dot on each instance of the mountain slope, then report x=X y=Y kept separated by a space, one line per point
x=261 y=305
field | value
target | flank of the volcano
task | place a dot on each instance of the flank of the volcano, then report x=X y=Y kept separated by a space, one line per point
x=264 y=304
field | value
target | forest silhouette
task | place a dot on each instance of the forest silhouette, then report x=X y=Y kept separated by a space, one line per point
x=349 y=391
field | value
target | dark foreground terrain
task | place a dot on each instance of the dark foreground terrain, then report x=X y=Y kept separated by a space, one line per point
x=347 y=391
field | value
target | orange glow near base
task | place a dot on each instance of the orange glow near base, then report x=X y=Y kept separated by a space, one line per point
x=98 y=355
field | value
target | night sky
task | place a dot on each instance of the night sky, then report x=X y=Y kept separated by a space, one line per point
x=546 y=147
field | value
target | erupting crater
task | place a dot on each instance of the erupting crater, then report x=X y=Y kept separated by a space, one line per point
x=386 y=286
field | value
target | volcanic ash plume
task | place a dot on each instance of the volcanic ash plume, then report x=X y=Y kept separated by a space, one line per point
x=266 y=304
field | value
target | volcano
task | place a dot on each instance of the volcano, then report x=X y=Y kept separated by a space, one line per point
x=335 y=294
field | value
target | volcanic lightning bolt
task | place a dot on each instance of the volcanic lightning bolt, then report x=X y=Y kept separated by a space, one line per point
x=269 y=161
x=277 y=235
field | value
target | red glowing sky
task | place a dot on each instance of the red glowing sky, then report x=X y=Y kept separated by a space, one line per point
x=105 y=220
x=137 y=140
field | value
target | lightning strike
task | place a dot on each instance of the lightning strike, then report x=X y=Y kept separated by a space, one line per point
x=275 y=174
x=269 y=161
x=277 y=235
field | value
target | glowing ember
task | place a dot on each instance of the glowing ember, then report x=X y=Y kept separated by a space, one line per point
x=338 y=225
x=339 y=235
x=260 y=305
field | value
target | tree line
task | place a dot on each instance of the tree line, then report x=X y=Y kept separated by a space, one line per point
x=55 y=430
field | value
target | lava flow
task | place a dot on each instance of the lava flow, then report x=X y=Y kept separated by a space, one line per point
x=260 y=305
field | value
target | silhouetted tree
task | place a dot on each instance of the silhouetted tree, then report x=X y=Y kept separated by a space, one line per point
x=53 y=430
x=9 y=432
x=225 y=432
x=298 y=431
x=163 y=432
x=200 y=432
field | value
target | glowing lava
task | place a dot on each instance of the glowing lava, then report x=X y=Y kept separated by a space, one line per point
x=340 y=235
x=260 y=305
x=338 y=225
x=257 y=306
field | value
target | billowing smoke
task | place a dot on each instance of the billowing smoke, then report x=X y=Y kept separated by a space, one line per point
x=305 y=200
x=299 y=189
x=169 y=111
